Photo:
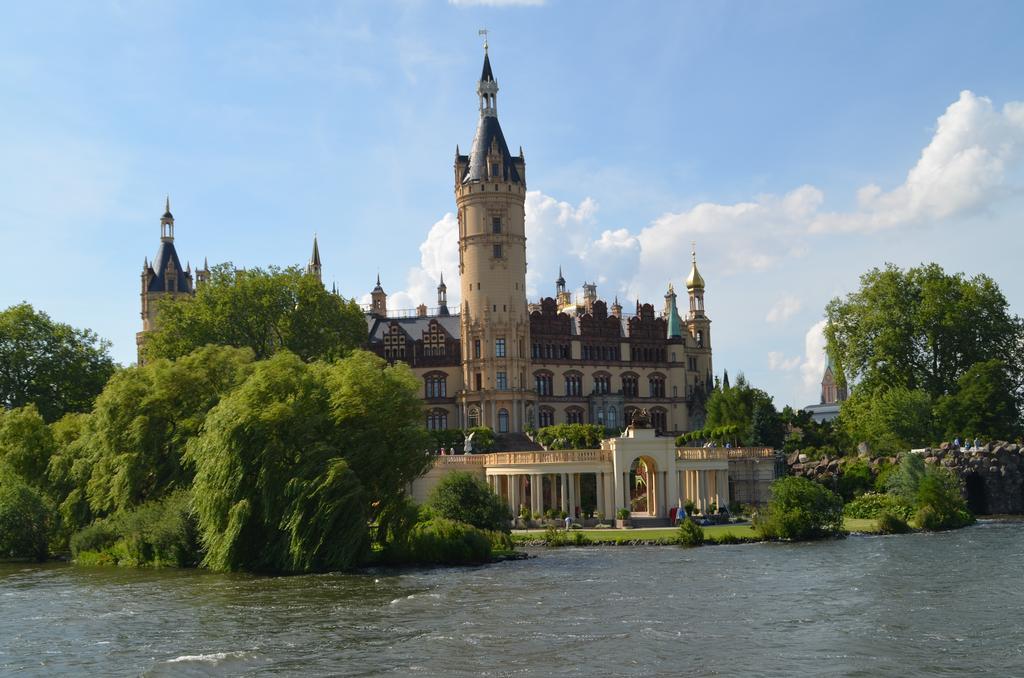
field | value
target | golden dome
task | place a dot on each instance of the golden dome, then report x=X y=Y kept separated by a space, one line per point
x=694 y=281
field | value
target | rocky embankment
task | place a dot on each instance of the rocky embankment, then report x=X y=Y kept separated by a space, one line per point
x=992 y=475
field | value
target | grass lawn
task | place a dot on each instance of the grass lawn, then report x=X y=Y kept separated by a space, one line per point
x=744 y=531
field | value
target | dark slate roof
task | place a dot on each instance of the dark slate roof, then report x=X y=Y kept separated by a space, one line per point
x=488 y=132
x=414 y=327
x=487 y=75
x=165 y=254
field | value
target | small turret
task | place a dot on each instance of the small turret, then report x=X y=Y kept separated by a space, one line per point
x=616 y=308
x=313 y=267
x=695 y=288
x=379 y=300
x=167 y=222
x=675 y=323
x=442 y=297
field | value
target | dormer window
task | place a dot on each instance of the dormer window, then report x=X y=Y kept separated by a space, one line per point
x=495 y=169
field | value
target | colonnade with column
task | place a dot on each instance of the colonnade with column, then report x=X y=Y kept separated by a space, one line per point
x=704 y=487
x=562 y=490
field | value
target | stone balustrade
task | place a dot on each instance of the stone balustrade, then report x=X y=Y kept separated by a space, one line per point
x=701 y=453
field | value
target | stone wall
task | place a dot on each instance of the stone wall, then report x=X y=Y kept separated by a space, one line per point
x=992 y=476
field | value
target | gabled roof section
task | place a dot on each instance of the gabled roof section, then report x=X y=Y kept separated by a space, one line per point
x=488 y=133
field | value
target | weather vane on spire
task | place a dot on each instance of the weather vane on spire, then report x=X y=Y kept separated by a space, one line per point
x=483 y=32
x=693 y=250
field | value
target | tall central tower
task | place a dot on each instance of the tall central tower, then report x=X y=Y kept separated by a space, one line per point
x=490 y=193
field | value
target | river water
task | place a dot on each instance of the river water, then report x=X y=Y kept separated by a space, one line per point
x=939 y=604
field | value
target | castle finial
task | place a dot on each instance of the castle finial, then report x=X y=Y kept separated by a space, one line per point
x=483 y=32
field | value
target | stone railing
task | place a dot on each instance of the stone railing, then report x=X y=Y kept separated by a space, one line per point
x=702 y=453
x=548 y=457
x=460 y=460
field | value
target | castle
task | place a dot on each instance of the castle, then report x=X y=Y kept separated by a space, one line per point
x=498 y=360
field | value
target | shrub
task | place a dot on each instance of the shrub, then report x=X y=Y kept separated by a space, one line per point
x=801 y=509
x=26 y=519
x=940 y=505
x=571 y=436
x=856 y=479
x=873 y=505
x=690 y=534
x=622 y=514
x=157 y=533
x=466 y=498
x=483 y=438
x=443 y=542
x=727 y=538
x=892 y=524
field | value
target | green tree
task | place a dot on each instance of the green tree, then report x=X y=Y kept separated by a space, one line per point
x=571 y=436
x=921 y=329
x=801 y=509
x=985 y=403
x=26 y=444
x=265 y=310
x=25 y=518
x=54 y=366
x=749 y=410
x=467 y=499
x=294 y=464
x=889 y=420
x=145 y=418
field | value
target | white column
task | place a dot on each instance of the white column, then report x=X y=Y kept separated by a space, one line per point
x=599 y=491
x=723 y=488
x=672 y=493
x=609 y=495
x=535 y=487
x=625 y=491
x=699 y=482
x=563 y=482
x=513 y=493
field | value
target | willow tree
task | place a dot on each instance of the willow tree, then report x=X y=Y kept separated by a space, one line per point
x=296 y=463
x=135 y=439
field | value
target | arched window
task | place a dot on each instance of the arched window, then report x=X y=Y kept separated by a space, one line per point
x=436 y=385
x=659 y=419
x=547 y=417
x=574 y=415
x=503 y=420
x=602 y=382
x=437 y=420
x=543 y=382
x=630 y=386
x=474 y=417
x=613 y=418
x=573 y=384
x=657 y=385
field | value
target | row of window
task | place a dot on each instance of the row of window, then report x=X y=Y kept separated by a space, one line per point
x=438 y=419
x=436 y=386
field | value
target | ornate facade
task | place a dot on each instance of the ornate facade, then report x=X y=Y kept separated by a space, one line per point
x=509 y=364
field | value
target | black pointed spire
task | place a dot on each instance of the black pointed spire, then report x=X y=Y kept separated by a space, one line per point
x=487 y=75
x=167 y=208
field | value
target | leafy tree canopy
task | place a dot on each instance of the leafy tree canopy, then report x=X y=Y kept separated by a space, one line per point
x=26 y=444
x=750 y=410
x=137 y=434
x=265 y=310
x=984 y=404
x=890 y=421
x=465 y=498
x=54 y=366
x=921 y=329
x=25 y=518
x=571 y=436
x=294 y=464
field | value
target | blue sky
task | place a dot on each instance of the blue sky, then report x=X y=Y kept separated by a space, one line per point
x=798 y=143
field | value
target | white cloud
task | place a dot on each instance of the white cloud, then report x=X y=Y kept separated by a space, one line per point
x=439 y=254
x=778 y=362
x=814 y=362
x=962 y=169
x=784 y=309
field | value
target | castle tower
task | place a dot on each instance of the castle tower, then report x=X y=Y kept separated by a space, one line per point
x=313 y=267
x=379 y=300
x=163 y=278
x=697 y=323
x=490 y=194
x=832 y=390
